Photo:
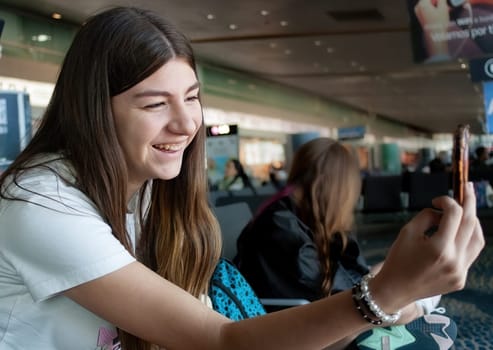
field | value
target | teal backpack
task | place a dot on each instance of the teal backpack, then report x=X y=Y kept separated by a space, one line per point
x=231 y=295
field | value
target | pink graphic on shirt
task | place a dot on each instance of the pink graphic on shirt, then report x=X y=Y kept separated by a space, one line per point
x=108 y=339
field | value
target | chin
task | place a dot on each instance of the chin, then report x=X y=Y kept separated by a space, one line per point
x=167 y=171
x=168 y=174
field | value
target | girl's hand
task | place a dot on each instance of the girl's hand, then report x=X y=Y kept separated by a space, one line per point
x=420 y=265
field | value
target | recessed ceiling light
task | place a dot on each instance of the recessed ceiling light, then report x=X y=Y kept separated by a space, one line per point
x=283 y=23
x=287 y=52
x=354 y=63
x=330 y=50
x=272 y=45
x=233 y=26
x=317 y=42
x=56 y=15
x=41 y=38
x=264 y=12
x=463 y=65
x=210 y=16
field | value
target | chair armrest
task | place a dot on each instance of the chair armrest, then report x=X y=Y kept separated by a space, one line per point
x=283 y=302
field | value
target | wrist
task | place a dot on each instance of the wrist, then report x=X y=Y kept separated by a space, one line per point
x=391 y=296
x=371 y=310
x=410 y=313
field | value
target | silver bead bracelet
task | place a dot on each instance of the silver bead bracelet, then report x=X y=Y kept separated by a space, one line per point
x=368 y=308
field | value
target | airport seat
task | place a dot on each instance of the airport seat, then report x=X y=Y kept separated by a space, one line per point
x=232 y=219
x=478 y=175
x=215 y=194
x=253 y=201
x=382 y=193
x=267 y=189
x=422 y=188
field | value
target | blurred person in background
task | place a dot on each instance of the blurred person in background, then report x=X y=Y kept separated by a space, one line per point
x=300 y=244
x=440 y=163
x=235 y=177
x=277 y=174
x=481 y=159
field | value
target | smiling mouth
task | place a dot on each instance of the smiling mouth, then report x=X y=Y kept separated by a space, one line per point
x=169 y=147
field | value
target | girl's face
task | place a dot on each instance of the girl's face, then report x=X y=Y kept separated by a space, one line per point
x=156 y=120
x=230 y=170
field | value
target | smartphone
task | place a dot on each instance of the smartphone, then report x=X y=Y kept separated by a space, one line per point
x=460 y=162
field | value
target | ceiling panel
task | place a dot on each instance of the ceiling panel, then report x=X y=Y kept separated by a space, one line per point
x=365 y=62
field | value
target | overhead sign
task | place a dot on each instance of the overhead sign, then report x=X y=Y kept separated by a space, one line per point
x=481 y=69
x=15 y=125
x=488 y=105
x=351 y=133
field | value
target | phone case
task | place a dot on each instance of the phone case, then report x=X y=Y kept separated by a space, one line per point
x=460 y=161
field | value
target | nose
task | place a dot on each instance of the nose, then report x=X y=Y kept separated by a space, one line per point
x=184 y=120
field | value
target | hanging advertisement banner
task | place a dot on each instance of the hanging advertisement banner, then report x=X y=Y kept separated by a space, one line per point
x=488 y=105
x=452 y=29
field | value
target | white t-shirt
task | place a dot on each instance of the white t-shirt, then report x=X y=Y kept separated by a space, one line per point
x=49 y=244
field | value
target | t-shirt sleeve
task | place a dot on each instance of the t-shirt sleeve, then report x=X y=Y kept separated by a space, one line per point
x=54 y=244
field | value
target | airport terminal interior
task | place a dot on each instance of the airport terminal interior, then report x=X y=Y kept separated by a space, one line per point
x=276 y=74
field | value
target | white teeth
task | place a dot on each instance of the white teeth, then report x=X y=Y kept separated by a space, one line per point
x=169 y=147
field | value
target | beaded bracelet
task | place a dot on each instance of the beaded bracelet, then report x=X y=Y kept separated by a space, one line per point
x=367 y=307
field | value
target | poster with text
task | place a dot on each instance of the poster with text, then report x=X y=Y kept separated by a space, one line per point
x=444 y=30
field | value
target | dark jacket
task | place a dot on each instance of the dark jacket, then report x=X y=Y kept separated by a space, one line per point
x=278 y=257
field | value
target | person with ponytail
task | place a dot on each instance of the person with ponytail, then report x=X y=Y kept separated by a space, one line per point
x=301 y=245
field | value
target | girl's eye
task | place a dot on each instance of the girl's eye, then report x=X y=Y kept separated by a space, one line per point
x=193 y=98
x=155 y=105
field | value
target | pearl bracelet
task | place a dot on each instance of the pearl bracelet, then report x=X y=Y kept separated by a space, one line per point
x=368 y=308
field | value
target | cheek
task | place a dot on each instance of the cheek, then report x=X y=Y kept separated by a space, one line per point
x=198 y=116
x=133 y=137
x=121 y=133
x=198 y=120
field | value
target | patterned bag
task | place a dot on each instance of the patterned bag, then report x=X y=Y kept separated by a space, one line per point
x=231 y=295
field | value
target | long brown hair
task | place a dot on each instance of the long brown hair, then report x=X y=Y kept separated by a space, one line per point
x=326 y=175
x=113 y=51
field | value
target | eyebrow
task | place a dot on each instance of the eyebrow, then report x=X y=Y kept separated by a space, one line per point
x=148 y=93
